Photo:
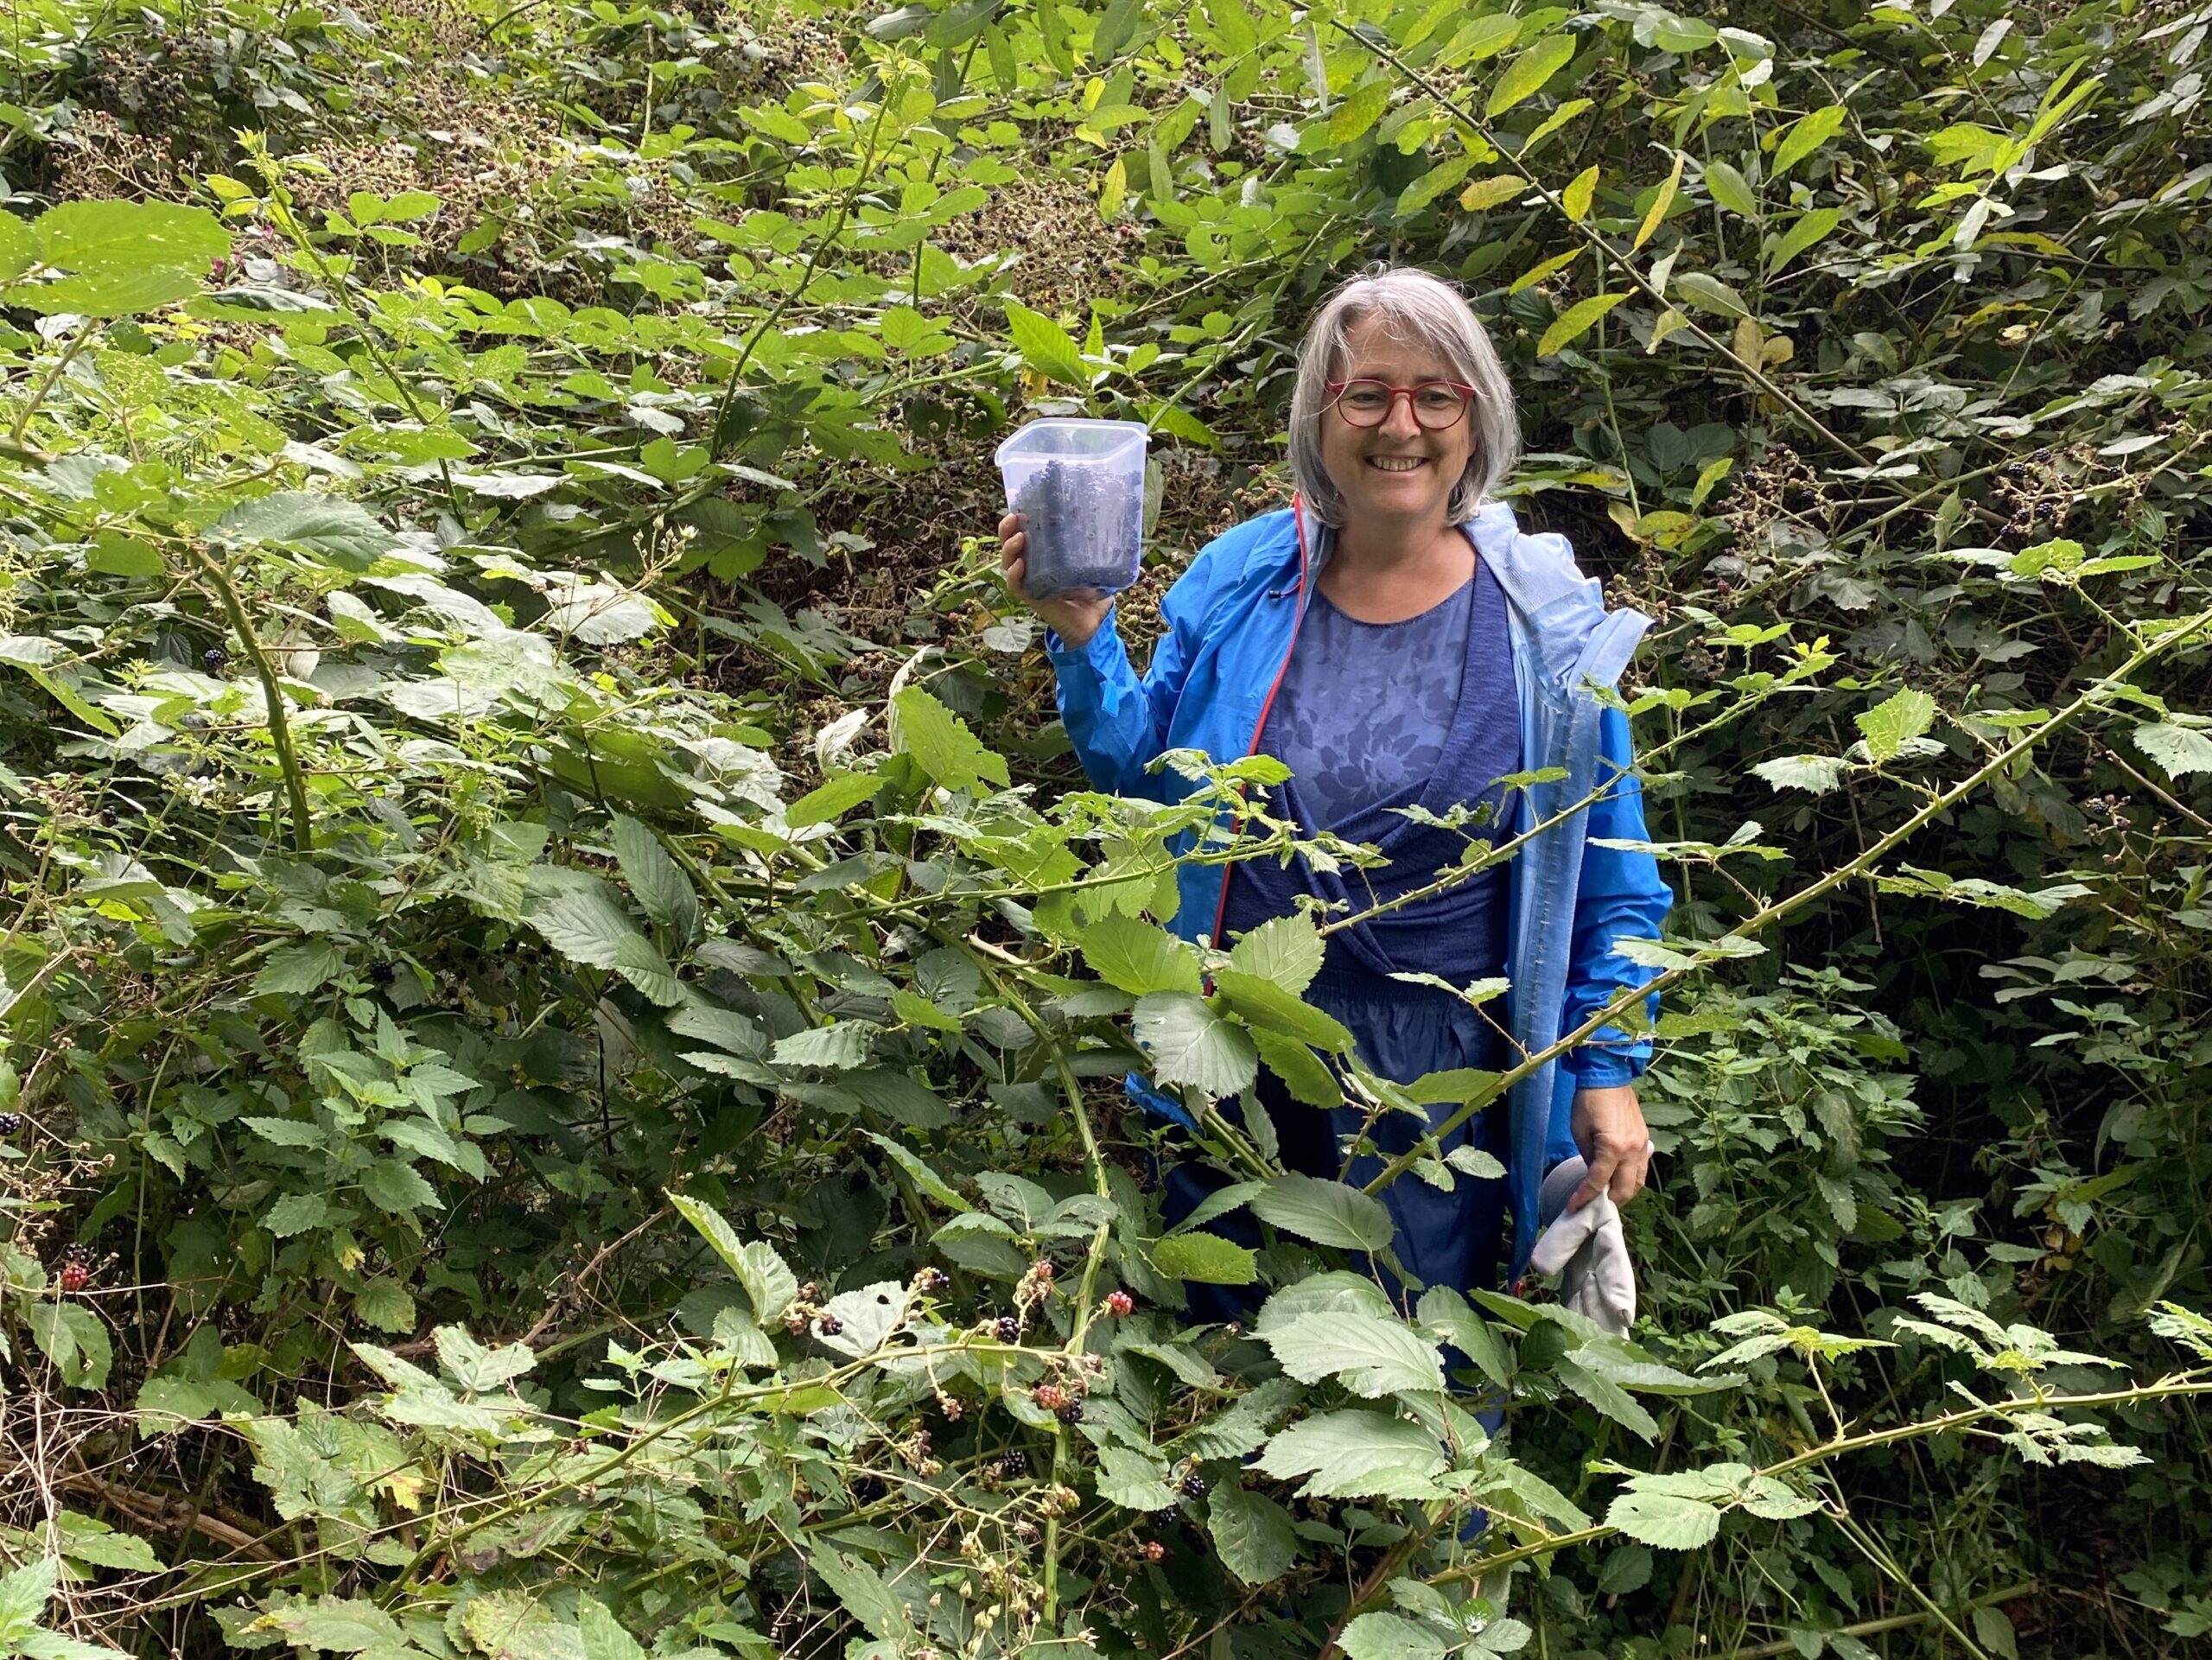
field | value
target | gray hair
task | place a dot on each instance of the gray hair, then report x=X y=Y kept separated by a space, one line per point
x=1418 y=309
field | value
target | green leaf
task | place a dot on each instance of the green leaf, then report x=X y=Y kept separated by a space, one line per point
x=296 y=1213
x=1256 y=1537
x=102 y=235
x=1308 y=1080
x=296 y=970
x=1205 y=1259
x=1816 y=773
x=767 y=1280
x=1805 y=136
x=863 y=1593
x=1353 y=1454
x=385 y=1304
x=1894 y=721
x=1382 y=1634
x=602 y=1634
x=1526 y=76
x=1264 y=1003
x=1132 y=955
x=832 y=799
x=1708 y=292
x=1447 y=1314
x=1730 y=190
x=1481 y=38
x=664 y=891
x=580 y=915
x=108 y=293
x=1664 y=1521
x=1286 y=950
x=1135 y=1481
x=343 y=533
x=86 y=1539
x=396 y=1188
x=337 y=1625
x=1808 y=229
x=1575 y=321
x=1046 y=347
x=2180 y=750
x=1361 y=110
x=1189 y=1043
x=476 y=1368
x=23 y=1596
x=1327 y=1212
x=919 y=1173
x=942 y=745
x=113 y=554
x=1371 y=1355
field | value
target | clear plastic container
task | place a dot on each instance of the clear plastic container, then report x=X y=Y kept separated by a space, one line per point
x=1079 y=489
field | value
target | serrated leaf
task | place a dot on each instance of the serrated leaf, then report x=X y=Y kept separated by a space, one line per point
x=476 y=1368
x=1134 y=956
x=1133 y=1479
x=1327 y=1212
x=296 y=970
x=337 y=1625
x=1189 y=1043
x=664 y=891
x=86 y=1539
x=1261 y=1003
x=942 y=745
x=1046 y=347
x=580 y=915
x=343 y=533
x=1371 y=1354
x=1205 y=1259
x=1447 y=1315
x=296 y=1213
x=1308 y=1080
x=1816 y=773
x=1382 y=1635
x=1664 y=1521
x=602 y=1634
x=768 y=1282
x=1352 y=1455
x=1255 y=1537
x=1894 y=721
x=2180 y=750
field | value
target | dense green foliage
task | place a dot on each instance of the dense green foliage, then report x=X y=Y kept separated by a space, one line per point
x=562 y=1001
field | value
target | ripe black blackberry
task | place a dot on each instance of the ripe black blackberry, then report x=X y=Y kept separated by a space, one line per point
x=829 y=1326
x=214 y=659
x=1010 y=1328
x=380 y=973
x=10 y=1123
x=867 y=1488
x=1069 y=1413
x=1193 y=1486
x=932 y=1282
x=74 y=1252
x=1012 y=1466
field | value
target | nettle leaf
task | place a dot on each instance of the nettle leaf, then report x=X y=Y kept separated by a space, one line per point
x=1255 y=1536
x=602 y=1634
x=942 y=745
x=1327 y=1212
x=1134 y=956
x=1895 y=721
x=343 y=532
x=1189 y=1043
x=1370 y=1355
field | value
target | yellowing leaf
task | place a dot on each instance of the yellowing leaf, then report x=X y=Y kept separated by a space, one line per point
x=1526 y=76
x=1360 y=111
x=1575 y=321
x=1488 y=193
x=1657 y=213
x=1115 y=190
x=1551 y=267
x=1577 y=195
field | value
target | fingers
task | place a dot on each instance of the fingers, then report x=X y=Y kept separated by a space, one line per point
x=1629 y=1174
x=1603 y=1161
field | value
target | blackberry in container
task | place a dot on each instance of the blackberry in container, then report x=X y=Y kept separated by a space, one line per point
x=1079 y=489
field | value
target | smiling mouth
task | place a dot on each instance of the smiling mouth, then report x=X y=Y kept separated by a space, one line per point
x=1396 y=463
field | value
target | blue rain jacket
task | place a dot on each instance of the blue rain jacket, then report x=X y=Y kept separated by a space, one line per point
x=1232 y=619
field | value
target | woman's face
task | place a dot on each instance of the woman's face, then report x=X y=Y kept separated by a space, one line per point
x=1399 y=471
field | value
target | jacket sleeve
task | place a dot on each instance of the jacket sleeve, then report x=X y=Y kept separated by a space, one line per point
x=1118 y=720
x=1622 y=896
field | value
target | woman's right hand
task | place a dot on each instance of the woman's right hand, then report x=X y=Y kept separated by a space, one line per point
x=1074 y=615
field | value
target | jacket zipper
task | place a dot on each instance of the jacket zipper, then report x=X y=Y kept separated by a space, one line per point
x=1266 y=704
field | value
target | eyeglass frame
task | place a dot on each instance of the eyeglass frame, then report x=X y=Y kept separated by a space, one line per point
x=1337 y=390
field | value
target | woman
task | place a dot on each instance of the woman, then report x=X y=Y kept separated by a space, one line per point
x=1395 y=641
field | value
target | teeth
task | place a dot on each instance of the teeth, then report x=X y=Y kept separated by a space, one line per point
x=1394 y=463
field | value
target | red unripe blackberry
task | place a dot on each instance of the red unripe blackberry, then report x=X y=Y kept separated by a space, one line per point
x=1119 y=1304
x=75 y=1276
x=1050 y=1397
x=1154 y=1551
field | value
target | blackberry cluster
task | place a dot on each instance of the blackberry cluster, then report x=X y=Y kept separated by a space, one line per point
x=1193 y=1486
x=1085 y=526
x=1010 y=1328
x=10 y=1123
x=214 y=659
x=76 y=1268
x=1012 y=1466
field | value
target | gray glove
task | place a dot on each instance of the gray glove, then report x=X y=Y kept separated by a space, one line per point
x=1587 y=1251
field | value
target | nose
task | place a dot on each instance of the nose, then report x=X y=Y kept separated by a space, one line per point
x=1399 y=422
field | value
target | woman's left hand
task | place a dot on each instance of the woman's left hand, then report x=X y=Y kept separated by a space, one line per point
x=1609 y=1129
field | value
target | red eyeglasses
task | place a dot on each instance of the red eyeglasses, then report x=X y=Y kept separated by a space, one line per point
x=1437 y=404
